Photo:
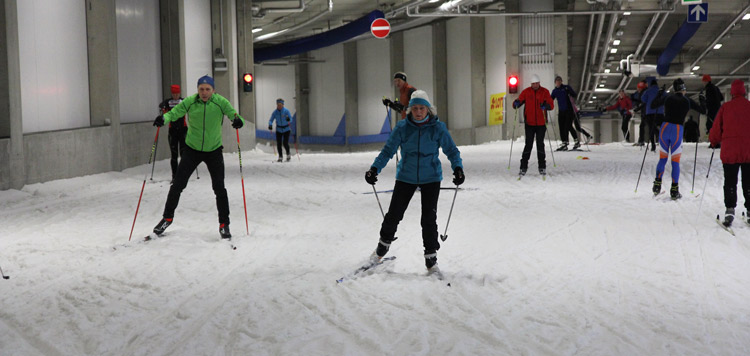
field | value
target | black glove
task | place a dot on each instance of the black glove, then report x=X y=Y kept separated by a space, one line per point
x=237 y=123
x=159 y=122
x=371 y=176
x=546 y=106
x=387 y=102
x=702 y=99
x=516 y=104
x=270 y=127
x=602 y=110
x=458 y=176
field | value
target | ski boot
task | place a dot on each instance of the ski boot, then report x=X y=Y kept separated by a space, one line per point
x=430 y=261
x=542 y=172
x=224 y=231
x=522 y=172
x=281 y=159
x=728 y=217
x=576 y=146
x=288 y=158
x=657 y=186
x=162 y=225
x=563 y=147
x=381 y=250
x=674 y=192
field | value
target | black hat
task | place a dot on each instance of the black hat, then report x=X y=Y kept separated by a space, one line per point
x=400 y=75
x=558 y=78
x=678 y=85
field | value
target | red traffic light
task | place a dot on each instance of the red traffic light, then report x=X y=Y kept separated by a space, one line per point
x=247 y=82
x=248 y=78
x=513 y=84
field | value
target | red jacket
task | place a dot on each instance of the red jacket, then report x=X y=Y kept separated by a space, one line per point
x=532 y=100
x=404 y=97
x=622 y=104
x=731 y=127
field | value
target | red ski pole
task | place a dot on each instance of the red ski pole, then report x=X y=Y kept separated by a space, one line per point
x=150 y=158
x=244 y=203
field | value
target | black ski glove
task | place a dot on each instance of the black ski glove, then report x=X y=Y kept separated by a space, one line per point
x=458 y=176
x=237 y=123
x=371 y=176
x=387 y=102
x=159 y=122
x=270 y=127
x=546 y=106
x=516 y=104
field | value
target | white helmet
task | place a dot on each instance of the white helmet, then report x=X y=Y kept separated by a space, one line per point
x=535 y=78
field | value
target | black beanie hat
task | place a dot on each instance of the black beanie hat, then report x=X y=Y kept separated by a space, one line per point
x=400 y=75
x=678 y=85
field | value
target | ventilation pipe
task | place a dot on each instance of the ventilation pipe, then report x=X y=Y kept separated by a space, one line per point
x=678 y=40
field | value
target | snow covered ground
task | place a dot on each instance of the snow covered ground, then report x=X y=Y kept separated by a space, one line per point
x=576 y=264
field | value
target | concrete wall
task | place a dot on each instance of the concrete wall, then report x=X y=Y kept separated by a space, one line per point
x=195 y=42
x=374 y=82
x=459 y=73
x=497 y=76
x=272 y=82
x=4 y=105
x=326 y=90
x=418 y=64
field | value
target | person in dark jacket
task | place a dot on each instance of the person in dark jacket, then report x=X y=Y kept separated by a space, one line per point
x=676 y=107
x=654 y=116
x=565 y=114
x=537 y=102
x=405 y=91
x=623 y=106
x=692 y=130
x=420 y=137
x=731 y=129
x=283 y=119
x=177 y=129
x=713 y=101
x=206 y=111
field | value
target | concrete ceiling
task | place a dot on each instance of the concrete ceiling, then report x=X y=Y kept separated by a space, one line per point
x=270 y=16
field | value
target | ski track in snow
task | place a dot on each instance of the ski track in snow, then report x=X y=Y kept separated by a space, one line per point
x=576 y=264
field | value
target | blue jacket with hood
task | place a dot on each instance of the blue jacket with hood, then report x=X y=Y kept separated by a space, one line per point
x=420 y=163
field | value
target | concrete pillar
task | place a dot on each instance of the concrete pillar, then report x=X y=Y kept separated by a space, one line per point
x=440 y=70
x=169 y=21
x=351 y=90
x=478 y=74
x=561 y=47
x=302 y=94
x=245 y=64
x=4 y=120
x=223 y=52
x=512 y=67
x=397 y=65
x=597 y=131
x=16 y=162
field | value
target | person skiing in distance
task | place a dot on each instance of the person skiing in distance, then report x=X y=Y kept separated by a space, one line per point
x=177 y=129
x=654 y=116
x=536 y=99
x=676 y=107
x=692 y=130
x=565 y=114
x=283 y=119
x=623 y=105
x=207 y=110
x=731 y=129
x=713 y=101
x=420 y=136
x=638 y=106
x=405 y=91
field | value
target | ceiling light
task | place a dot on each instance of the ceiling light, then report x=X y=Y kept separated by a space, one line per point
x=593 y=97
x=601 y=85
x=257 y=29
x=696 y=67
x=613 y=50
x=270 y=35
x=746 y=17
x=627 y=13
x=620 y=33
x=623 y=22
x=591 y=102
x=433 y=1
x=718 y=45
x=616 y=42
x=607 y=70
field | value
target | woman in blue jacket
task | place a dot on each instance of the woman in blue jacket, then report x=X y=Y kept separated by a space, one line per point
x=419 y=137
x=283 y=119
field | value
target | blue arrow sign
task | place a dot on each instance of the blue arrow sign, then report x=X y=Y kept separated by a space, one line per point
x=697 y=13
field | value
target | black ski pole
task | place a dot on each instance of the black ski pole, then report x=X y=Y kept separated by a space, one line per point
x=156 y=149
x=641 y=171
x=513 y=138
x=713 y=150
x=551 y=151
x=3 y=274
x=444 y=236
x=376 y=197
x=695 y=160
x=197 y=176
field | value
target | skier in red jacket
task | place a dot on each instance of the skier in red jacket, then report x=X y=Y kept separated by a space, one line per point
x=537 y=101
x=731 y=129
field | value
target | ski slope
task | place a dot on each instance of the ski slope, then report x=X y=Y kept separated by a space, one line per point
x=579 y=264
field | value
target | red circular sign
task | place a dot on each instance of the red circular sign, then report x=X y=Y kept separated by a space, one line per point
x=380 y=28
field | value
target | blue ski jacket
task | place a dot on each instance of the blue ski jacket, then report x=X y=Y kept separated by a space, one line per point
x=283 y=120
x=648 y=96
x=420 y=163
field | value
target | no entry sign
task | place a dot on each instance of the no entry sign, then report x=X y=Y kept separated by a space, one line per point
x=380 y=28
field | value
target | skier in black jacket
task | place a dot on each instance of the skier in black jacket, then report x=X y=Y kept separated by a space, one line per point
x=713 y=101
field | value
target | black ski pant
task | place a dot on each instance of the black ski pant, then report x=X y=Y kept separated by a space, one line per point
x=214 y=160
x=565 y=119
x=653 y=128
x=625 y=126
x=402 y=193
x=176 y=146
x=531 y=132
x=730 y=184
x=282 y=137
x=577 y=124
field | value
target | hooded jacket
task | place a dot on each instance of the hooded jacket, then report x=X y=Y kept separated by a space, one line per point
x=420 y=144
x=648 y=96
x=731 y=127
x=532 y=100
x=205 y=120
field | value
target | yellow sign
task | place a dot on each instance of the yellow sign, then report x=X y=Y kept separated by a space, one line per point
x=496 y=109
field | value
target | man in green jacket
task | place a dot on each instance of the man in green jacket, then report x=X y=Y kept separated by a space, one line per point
x=206 y=111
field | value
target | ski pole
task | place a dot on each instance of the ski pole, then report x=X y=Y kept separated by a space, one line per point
x=553 y=129
x=296 y=138
x=3 y=274
x=641 y=171
x=695 y=160
x=513 y=138
x=444 y=236
x=197 y=176
x=376 y=197
x=153 y=152
x=713 y=150
x=156 y=147
x=551 y=151
x=242 y=177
